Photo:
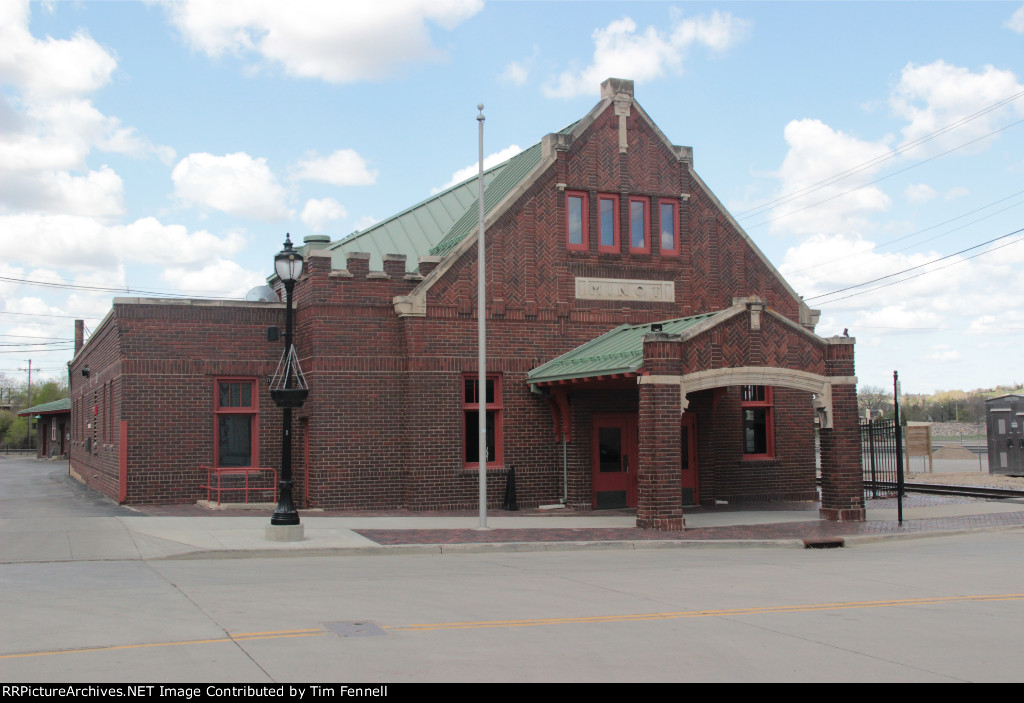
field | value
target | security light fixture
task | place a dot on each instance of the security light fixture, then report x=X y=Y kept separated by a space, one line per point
x=288 y=263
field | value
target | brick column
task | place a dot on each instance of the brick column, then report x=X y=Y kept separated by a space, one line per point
x=842 y=480
x=659 y=495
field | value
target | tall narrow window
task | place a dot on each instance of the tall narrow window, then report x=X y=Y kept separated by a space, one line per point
x=235 y=422
x=608 y=223
x=668 y=225
x=639 y=225
x=758 y=429
x=471 y=420
x=576 y=238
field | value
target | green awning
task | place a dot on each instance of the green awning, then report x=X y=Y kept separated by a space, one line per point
x=57 y=406
x=620 y=351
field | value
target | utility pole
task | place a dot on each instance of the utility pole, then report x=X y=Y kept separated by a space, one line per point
x=28 y=404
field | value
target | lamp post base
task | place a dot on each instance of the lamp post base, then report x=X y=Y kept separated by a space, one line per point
x=285 y=533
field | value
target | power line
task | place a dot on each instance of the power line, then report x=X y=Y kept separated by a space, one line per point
x=882 y=178
x=747 y=214
x=912 y=268
x=922 y=231
x=167 y=293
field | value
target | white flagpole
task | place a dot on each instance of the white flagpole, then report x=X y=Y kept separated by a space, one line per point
x=481 y=317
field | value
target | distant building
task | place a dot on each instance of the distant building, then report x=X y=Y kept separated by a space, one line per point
x=53 y=422
x=640 y=344
x=1005 y=426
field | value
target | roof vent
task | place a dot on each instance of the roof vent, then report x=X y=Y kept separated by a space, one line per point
x=262 y=294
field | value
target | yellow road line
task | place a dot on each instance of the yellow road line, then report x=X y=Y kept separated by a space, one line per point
x=241 y=637
x=426 y=627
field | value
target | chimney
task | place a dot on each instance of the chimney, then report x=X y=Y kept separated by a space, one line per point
x=79 y=335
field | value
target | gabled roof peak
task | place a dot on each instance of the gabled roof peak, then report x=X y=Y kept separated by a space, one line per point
x=621 y=88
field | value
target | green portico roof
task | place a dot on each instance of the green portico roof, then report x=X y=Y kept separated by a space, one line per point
x=616 y=352
x=57 y=406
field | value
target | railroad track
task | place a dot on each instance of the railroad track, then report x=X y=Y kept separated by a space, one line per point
x=943 y=489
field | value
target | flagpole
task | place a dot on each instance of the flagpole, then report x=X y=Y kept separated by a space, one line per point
x=481 y=317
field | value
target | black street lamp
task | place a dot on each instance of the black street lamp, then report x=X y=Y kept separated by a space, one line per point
x=288 y=386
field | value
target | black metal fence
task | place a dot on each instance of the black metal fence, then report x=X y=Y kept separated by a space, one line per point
x=879 y=452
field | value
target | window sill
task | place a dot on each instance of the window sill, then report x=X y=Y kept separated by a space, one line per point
x=475 y=468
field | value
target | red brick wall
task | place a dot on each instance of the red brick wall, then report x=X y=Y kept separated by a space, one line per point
x=94 y=459
x=842 y=489
x=162 y=360
x=723 y=472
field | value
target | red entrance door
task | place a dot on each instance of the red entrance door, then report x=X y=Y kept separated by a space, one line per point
x=614 y=461
x=688 y=450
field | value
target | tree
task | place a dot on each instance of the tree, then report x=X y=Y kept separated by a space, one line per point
x=875 y=399
x=14 y=430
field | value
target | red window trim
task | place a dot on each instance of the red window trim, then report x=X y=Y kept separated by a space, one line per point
x=616 y=246
x=674 y=251
x=499 y=454
x=769 y=423
x=253 y=411
x=584 y=244
x=646 y=248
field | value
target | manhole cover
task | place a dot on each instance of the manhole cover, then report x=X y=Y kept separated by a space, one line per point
x=355 y=628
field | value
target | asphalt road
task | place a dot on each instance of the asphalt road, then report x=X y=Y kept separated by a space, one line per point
x=932 y=609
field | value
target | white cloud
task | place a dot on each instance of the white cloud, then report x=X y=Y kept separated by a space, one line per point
x=943 y=352
x=97 y=193
x=938 y=94
x=235 y=183
x=956 y=192
x=338 y=42
x=816 y=153
x=221 y=278
x=52 y=67
x=79 y=243
x=48 y=127
x=364 y=222
x=1016 y=21
x=622 y=51
x=920 y=192
x=474 y=169
x=344 y=167
x=319 y=214
x=516 y=73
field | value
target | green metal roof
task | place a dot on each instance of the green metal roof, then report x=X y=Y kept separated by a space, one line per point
x=416 y=229
x=516 y=169
x=57 y=406
x=436 y=225
x=616 y=352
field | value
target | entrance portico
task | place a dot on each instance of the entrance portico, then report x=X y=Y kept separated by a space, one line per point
x=692 y=422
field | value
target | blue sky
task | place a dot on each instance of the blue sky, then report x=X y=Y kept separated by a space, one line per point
x=167 y=147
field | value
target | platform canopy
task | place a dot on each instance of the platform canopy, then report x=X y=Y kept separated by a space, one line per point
x=615 y=354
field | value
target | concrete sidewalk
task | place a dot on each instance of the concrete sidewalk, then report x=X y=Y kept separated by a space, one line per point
x=60 y=520
x=176 y=537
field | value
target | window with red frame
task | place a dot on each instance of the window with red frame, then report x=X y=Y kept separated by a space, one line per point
x=235 y=422
x=758 y=429
x=471 y=420
x=668 y=225
x=576 y=237
x=608 y=223
x=639 y=225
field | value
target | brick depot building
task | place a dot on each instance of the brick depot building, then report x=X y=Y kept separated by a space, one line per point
x=639 y=345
